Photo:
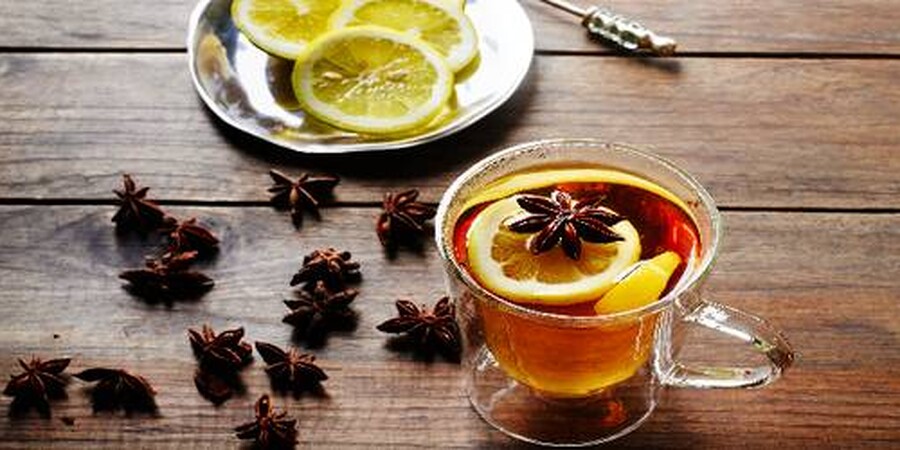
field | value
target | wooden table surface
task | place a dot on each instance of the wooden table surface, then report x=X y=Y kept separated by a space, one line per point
x=789 y=111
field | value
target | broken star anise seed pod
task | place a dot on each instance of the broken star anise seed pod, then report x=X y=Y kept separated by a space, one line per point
x=119 y=389
x=189 y=235
x=168 y=278
x=269 y=429
x=431 y=329
x=402 y=219
x=328 y=265
x=223 y=351
x=304 y=194
x=319 y=310
x=40 y=382
x=291 y=370
x=560 y=220
x=135 y=211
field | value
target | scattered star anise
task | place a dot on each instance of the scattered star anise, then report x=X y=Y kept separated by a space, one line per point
x=270 y=429
x=328 y=265
x=223 y=351
x=168 y=278
x=402 y=219
x=189 y=236
x=217 y=387
x=559 y=219
x=291 y=369
x=306 y=193
x=119 y=388
x=40 y=382
x=431 y=329
x=319 y=310
x=135 y=210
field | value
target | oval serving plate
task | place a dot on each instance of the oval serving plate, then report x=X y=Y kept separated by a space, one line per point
x=251 y=90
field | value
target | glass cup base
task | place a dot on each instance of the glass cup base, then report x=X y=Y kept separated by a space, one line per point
x=541 y=418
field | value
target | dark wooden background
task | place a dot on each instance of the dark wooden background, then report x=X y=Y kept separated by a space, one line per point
x=788 y=111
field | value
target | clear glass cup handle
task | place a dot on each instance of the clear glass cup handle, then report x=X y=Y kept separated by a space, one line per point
x=747 y=328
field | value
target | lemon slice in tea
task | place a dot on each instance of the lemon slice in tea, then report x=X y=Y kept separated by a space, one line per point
x=372 y=80
x=283 y=27
x=501 y=261
x=640 y=285
x=441 y=24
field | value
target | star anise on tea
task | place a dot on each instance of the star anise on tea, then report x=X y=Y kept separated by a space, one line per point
x=135 y=211
x=270 y=429
x=189 y=235
x=430 y=329
x=402 y=219
x=221 y=351
x=40 y=382
x=318 y=310
x=291 y=370
x=119 y=388
x=168 y=278
x=560 y=220
x=328 y=265
x=304 y=194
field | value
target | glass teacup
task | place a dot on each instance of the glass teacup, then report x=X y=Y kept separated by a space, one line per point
x=562 y=379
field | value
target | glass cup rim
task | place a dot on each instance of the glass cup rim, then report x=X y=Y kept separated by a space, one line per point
x=710 y=249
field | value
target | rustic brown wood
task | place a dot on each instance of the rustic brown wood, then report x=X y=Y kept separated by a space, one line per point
x=757 y=132
x=828 y=279
x=867 y=26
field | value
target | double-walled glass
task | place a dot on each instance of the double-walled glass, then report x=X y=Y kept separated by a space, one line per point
x=564 y=380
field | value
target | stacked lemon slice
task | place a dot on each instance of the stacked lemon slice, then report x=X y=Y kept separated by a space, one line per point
x=371 y=66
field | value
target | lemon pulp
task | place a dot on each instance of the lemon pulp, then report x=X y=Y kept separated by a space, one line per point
x=283 y=27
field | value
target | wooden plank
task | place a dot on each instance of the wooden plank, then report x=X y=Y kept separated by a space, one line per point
x=705 y=26
x=757 y=132
x=828 y=279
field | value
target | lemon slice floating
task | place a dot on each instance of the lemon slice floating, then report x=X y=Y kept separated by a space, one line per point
x=500 y=260
x=441 y=24
x=283 y=27
x=641 y=285
x=372 y=80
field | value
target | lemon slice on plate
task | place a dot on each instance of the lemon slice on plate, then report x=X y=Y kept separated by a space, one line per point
x=372 y=80
x=501 y=261
x=437 y=22
x=640 y=285
x=283 y=27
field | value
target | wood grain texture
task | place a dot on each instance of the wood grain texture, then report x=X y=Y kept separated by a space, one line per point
x=867 y=26
x=829 y=280
x=757 y=132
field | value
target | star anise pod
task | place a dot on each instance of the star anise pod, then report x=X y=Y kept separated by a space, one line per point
x=135 y=210
x=558 y=219
x=328 y=265
x=319 y=310
x=119 y=388
x=223 y=351
x=168 y=278
x=402 y=219
x=40 y=382
x=270 y=430
x=291 y=370
x=431 y=329
x=306 y=193
x=188 y=235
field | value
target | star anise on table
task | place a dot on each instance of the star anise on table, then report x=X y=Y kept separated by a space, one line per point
x=291 y=370
x=40 y=382
x=318 y=310
x=221 y=351
x=304 y=194
x=189 y=235
x=135 y=211
x=430 y=329
x=168 y=278
x=119 y=388
x=270 y=429
x=560 y=220
x=402 y=220
x=328 y=265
